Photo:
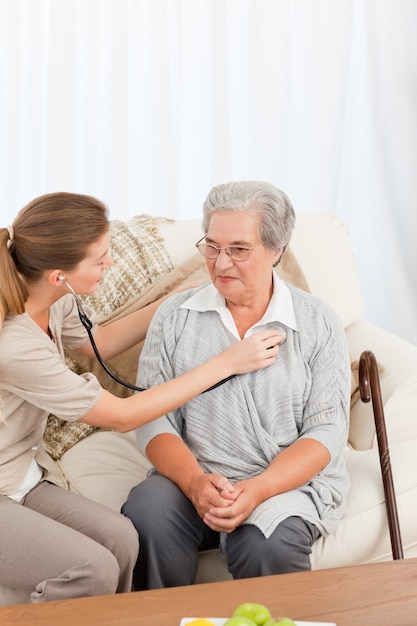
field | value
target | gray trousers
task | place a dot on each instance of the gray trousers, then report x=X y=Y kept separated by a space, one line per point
x=172 y=534
x=57 y=545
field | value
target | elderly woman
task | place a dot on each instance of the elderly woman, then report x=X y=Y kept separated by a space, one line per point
x=256 y=464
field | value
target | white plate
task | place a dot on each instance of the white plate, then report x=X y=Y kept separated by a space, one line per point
x=219 y=621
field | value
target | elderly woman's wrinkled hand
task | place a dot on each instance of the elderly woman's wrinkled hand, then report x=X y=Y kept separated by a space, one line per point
x=226 y=520
x=211 y=490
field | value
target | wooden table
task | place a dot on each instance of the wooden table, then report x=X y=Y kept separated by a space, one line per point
x=382 y=594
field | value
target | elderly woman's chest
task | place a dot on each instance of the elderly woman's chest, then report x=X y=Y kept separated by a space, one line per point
x=287 y=381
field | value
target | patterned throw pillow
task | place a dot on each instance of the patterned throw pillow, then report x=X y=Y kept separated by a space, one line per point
x=139 y=260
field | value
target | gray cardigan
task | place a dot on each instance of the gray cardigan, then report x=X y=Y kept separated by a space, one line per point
x=238 y=428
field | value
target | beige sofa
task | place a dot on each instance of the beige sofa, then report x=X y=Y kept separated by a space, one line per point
x=105 y=465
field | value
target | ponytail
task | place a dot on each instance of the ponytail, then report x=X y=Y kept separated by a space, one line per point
x=51 y=232
x=13 y=293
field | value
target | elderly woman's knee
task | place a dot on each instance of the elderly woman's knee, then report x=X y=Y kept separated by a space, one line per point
x=288 y=549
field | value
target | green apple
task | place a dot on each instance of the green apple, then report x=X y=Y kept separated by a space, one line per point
x=240 y=620
x=258 y=613
x=280 y=621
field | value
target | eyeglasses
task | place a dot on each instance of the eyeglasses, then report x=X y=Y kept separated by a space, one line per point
x=237 y=253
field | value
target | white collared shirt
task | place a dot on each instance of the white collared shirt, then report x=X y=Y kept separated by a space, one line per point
x=33 y=476
x=280 y=308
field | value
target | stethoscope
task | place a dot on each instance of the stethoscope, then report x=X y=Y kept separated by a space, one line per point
x=88 y=325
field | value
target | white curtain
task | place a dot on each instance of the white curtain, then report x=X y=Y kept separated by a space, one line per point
x=149 y=103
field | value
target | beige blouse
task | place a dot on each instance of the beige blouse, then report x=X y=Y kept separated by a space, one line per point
x=34 y=382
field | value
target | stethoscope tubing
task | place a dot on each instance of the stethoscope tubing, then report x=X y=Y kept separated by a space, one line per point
x=87 y=323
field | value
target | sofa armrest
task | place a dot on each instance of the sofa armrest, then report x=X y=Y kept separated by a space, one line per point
x=398 y=385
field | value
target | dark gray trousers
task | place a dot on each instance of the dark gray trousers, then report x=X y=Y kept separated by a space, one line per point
x=58 y=545
x=172 y=534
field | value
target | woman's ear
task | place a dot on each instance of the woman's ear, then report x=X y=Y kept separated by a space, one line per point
x=278 y=256
x=55 y=277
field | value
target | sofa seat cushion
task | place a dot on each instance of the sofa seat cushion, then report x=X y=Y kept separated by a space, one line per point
x=104 y=467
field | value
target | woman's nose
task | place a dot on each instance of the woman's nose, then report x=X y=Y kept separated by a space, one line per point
x=223 y=259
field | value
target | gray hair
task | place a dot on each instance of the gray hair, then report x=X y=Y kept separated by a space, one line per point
x=274 y=207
